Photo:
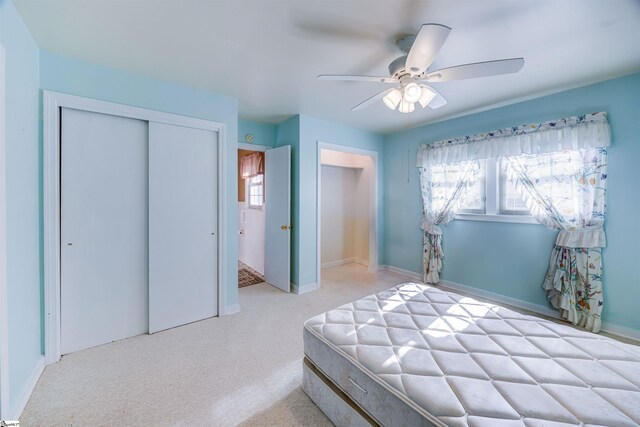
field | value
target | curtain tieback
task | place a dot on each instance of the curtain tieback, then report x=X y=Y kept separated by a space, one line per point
x=430 y=228
x=582 y=238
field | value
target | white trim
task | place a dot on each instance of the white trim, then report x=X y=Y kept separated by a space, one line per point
x=374 y=221
x=4 y=305
x=52 y=103
x=618 y=330
x=232 y=309
x=364 y=262
x=245 y=146
x=338 y=263
x=519 y=219
x=305 y=288
x=477 y=292
x=346 y=261
x=535 y=308
x=408 y=273
x=621 y=331
x=28 y=389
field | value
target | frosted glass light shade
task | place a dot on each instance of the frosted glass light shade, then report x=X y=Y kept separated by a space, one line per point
x=412 y=92
x=427 y=96
x=392 y=99
x=407 y=107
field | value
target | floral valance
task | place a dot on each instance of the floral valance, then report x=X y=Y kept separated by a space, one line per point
x=571 y=133
x=252 y=165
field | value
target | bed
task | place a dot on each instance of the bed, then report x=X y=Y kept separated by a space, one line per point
x=415 y=355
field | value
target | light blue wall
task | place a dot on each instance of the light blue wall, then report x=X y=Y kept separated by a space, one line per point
x=23 y=201
x=75 y=77
x=511 y=259
x=304 y=197
x=263 y=133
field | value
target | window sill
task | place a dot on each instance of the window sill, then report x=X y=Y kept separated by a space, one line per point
x=519 y=219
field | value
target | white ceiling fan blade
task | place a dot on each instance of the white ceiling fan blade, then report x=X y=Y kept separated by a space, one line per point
x=426 y=46
x=478 y=69
x=356 y=78
x=372 y=100
x=437 y=101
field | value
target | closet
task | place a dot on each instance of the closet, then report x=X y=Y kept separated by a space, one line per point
x=345 y=208
x=138 y=227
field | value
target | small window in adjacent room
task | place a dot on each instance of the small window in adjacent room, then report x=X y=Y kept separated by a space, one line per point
x=256 y=191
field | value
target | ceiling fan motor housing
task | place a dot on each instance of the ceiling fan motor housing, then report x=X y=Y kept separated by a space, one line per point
x=397 y=67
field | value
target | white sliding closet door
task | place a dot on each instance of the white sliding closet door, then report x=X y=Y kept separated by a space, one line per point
x=183 y=258
x=104 y=276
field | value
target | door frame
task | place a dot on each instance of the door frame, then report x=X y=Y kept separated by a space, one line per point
x=4 y=305
x=52 y=103
x=374 y=223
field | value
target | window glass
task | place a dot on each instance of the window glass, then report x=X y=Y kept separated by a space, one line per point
x=256 y=191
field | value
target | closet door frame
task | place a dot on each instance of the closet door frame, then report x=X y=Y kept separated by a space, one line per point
x=53 y=102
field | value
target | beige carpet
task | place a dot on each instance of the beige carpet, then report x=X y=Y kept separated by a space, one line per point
x=243 y=369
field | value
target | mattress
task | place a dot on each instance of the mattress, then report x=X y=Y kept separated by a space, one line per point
x=417 y=355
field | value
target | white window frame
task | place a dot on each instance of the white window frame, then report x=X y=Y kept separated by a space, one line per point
x=248 y=193
x=492 y=211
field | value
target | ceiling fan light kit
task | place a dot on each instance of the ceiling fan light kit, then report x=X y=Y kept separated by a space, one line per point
x=410 y=72
x=427 y=96
x=406 y=107
x=392 y=99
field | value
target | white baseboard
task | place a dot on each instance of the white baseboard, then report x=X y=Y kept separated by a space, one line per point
x=338 y=263
x=621 y=331
x=305 y=288
x=361 y=261
x=15 y=413
x=409 y=273
x=233 y=309
x=536 y=308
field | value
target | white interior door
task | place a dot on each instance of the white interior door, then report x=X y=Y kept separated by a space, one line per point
x=183 y=256
x=104 y=276
x=277 y=258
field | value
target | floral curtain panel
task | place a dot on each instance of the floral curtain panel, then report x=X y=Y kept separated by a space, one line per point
x=442 y=187
x=560 y=168
x=566 y=191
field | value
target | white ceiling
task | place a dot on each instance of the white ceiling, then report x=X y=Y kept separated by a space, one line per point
x=267 y=53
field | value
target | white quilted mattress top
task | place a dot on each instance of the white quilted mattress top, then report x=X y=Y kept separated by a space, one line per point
x=464 y=362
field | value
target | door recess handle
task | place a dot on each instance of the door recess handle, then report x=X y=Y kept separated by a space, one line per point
x=69 y=244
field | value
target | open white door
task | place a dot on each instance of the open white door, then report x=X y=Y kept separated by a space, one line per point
x=277 y=260
x=183 y=225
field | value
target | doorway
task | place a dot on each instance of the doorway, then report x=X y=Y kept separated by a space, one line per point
x=251 y=217
x=347 y=207
x=264 y=209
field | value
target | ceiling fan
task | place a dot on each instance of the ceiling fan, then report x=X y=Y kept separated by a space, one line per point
x=410 y=72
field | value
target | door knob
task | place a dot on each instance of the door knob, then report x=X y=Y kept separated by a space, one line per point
x=283 y=227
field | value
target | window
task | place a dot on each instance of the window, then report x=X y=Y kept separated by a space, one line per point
x=493 y=198
x=256 y=191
